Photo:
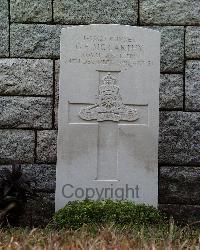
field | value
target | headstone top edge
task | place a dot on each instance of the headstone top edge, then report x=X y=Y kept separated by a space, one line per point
x=64 y=29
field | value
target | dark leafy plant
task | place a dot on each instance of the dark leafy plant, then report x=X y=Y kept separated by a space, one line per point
x=120 y=213
x=15 y=189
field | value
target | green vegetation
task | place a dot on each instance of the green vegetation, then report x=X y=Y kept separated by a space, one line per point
x=104 y=225
x=119 y=213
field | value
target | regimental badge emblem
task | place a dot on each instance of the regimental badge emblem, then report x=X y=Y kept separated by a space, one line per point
x=109 y=106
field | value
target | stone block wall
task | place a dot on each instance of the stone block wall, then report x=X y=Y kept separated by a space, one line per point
x=29 y=72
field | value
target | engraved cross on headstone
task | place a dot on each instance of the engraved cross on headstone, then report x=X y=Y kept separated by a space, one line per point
x=108 y=112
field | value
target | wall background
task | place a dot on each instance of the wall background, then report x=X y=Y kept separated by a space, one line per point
x=29 y=71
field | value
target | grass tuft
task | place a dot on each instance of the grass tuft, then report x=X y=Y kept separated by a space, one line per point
x=104 y=237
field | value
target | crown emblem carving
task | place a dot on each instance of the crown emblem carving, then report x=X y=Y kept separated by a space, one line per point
x=109 y=106
x=108 y=84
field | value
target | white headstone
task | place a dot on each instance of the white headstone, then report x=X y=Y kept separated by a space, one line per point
x=108 y=115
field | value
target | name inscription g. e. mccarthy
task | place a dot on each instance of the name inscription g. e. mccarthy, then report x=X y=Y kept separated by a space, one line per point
x=108 y=50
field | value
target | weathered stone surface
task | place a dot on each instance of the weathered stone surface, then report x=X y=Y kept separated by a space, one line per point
x=39 y=210
x=91 y=11
x=26 y=76
x=189 y=213
x=182 y=213
x=4 y=28
x=170 y=210
x=35 y=40
x=25 y=112
x=172 y=48
x=179 y=185
x=44 y=176
x=179 y=137
x=4 y=13
x=192 y=42
x=167 y=12
x=46 y=146
x=57 y=72
x=171 y=91
x=192 y=85
x=17 y=145
x=31 y=11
